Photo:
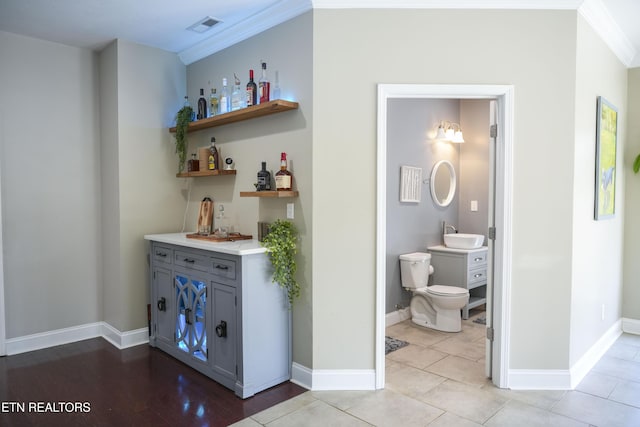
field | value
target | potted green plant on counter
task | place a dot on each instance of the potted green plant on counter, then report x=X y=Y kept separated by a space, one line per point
x=281 y=245
x=183 y=117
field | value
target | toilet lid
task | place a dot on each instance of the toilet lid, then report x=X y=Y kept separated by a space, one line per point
x=446 y=290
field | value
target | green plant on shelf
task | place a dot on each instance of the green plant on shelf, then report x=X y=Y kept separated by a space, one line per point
x=281 y=245
x=183 y=117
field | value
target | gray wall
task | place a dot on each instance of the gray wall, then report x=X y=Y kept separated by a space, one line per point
x=413 y=227
x=631 y=295
x=50 y=154
x=253 y=141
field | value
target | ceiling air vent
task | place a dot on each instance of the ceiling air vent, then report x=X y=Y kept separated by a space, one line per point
x=204 y=24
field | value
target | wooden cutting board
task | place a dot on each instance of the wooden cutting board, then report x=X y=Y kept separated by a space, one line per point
x=212 y=238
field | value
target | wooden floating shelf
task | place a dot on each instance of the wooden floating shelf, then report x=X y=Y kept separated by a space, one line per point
x=206 y=173
x=271 y=107
x=274 y=194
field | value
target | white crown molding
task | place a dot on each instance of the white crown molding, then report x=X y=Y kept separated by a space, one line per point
x=447 y=4
x=255 y=24
x=593 y=11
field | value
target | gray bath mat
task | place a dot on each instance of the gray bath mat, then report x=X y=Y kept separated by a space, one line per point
x=480 y=320
x=392 y=344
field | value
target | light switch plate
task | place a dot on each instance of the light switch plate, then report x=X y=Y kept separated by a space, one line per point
x=289 y=210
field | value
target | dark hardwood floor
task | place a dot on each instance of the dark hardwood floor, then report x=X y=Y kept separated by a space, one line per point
x=92 y=383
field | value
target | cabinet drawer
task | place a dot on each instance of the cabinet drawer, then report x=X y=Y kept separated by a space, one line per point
x=162 y=254
x=191 y=260
x=223 y=268
x=477 y=259
x=479 y=275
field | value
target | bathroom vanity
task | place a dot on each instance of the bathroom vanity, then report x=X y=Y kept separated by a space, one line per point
x=465 y=268
x=214 y=307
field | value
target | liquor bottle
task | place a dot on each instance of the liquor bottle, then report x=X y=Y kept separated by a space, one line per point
x=214 y=160
x=237 y=97
x=225 y=101
x=264 y=85
x=213 y=103
x=284 y=179
x=252 y=91
x=264 y=179
x=276 y=87
x=188 y=104
x=194 y=164
x=202 y=106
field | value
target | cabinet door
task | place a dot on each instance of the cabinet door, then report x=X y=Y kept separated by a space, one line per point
x=191 y=317
x=225 y=328
x=163 y=305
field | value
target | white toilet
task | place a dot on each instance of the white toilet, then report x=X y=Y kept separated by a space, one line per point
x=436 y=307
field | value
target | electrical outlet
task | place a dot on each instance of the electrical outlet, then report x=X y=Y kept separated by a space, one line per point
x=289 y=210
x=474 y=206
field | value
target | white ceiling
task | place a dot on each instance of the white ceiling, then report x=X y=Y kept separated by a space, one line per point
x=162 y=23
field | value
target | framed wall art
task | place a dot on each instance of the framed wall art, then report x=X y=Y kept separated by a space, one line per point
x=410 y=184
x=606 y=147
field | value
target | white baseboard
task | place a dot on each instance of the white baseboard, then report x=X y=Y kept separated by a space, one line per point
x=76 y=333
x=631 y=326
x=564 y=379
x=397 y=316
x=588 y=360
x=333 y=379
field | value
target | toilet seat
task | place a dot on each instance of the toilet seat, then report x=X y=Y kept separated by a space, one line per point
x=446 y=291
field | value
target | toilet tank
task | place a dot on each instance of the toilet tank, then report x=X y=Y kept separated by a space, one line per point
x=414 y=269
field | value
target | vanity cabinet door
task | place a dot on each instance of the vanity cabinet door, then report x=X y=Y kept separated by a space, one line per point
x=191 y=315
x=224 y=336
x=163 y=307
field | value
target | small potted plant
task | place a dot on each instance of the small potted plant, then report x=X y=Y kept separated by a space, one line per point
x=281 y=244
x=183 y=117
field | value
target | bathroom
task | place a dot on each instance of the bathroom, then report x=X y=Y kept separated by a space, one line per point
x=413 y=226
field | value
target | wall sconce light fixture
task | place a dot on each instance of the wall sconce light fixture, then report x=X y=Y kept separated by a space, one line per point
x=448 y=131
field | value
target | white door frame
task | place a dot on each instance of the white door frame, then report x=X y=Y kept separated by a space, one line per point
x=503 y=202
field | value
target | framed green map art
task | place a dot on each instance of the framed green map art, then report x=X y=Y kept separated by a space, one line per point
x=606 y=144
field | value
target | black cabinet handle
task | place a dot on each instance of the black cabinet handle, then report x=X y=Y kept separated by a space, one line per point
x=161 y=254
x=189 y=260
x=187 y=316
x=162 y=304
x=222 y=267
x=221 y=329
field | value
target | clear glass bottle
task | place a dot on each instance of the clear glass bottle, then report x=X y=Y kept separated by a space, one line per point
x=213 y=103
x=284 y=178
x=276 y=87
x=237 y=96
x=264 y=85
x=225 y=100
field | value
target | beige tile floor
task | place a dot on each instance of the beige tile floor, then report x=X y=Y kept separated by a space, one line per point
x=438 y=381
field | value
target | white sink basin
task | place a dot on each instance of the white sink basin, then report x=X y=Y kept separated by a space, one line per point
x=463 y=241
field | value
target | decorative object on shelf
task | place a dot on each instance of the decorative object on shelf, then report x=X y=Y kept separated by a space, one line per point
x=183 y=118
x=606 y=142
x=636 y=164
x=205 y=216
x=281 y=244
x=228 y=164
x=284 y=178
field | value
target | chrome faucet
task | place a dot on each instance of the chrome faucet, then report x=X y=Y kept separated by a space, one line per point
x=446 y=227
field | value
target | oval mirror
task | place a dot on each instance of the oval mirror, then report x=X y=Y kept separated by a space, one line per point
x=443 y=183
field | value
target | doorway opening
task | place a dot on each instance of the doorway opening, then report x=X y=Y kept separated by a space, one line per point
x=499 y=248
